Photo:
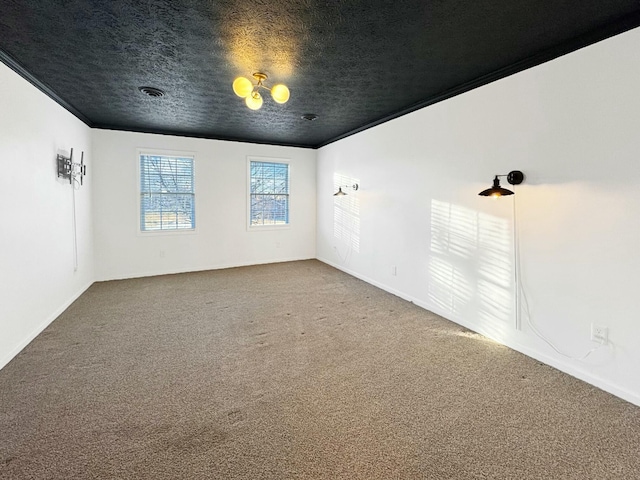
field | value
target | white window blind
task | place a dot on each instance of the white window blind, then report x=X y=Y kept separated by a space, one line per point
x=166 y=193
x=269 y=193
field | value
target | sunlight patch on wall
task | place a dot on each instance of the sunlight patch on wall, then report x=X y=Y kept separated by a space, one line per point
x=346 y=213
x=495 y=242
x=496 y=302
x=471 y=263
x=448 y=288
x=454 y=229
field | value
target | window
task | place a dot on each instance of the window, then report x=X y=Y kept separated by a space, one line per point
x=269 y=193
x=166 y=193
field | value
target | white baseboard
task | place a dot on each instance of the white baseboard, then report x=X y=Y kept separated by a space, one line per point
x=29 y=338
x=561 y=365
x=216 y=266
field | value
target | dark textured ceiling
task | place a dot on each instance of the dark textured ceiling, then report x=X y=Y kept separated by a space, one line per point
x=353 y=63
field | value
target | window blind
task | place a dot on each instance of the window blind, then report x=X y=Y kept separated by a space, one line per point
x=269 y=193
x=166 y=193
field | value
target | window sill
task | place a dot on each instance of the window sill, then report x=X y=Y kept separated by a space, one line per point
x=154 y=233
x=263 y=228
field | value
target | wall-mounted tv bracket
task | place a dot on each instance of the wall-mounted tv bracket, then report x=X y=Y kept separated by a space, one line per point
x=68 y=169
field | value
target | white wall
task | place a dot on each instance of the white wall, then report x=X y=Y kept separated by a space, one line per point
x=37 y=277
x=572 y=126
x=221 y=238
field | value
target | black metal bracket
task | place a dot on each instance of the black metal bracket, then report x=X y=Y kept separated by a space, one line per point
x=68 y=169
x=515 y=177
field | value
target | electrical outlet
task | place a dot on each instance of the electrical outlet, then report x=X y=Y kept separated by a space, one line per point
x=599 y=334
x=161 y=253
x=394 y=270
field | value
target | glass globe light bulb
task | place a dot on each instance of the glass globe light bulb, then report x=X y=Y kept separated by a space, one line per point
x=280 y=93
x=242 y=87
x=254 y=101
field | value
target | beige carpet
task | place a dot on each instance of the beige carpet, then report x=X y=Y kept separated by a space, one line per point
x=292 y=371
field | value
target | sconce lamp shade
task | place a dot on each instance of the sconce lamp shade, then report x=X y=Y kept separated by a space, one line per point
x=254 y=101
x=280 y=93
x=242 y=87
x=514 y=177
x=339 y=193
x=496 y=190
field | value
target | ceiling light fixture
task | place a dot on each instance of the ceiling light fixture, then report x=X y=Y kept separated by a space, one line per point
x=340 y=193
x=243 y=87
x=514 y=177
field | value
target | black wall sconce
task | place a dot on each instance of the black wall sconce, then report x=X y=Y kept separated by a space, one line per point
x=514 y=177
x=340 y=193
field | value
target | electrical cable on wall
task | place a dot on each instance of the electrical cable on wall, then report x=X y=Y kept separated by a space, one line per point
x=75 y=172
x=516 y=269
x=75 y=229
x=521 y=290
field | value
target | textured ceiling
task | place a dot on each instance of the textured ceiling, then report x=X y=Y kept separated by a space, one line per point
x=353 y=63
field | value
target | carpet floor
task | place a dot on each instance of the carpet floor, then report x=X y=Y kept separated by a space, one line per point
x=292 y=371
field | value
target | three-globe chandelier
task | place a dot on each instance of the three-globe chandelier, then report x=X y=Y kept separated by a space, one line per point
x=244 y=88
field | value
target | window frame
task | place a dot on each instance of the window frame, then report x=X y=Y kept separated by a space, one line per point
x=165 y=153
x=283 y=226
